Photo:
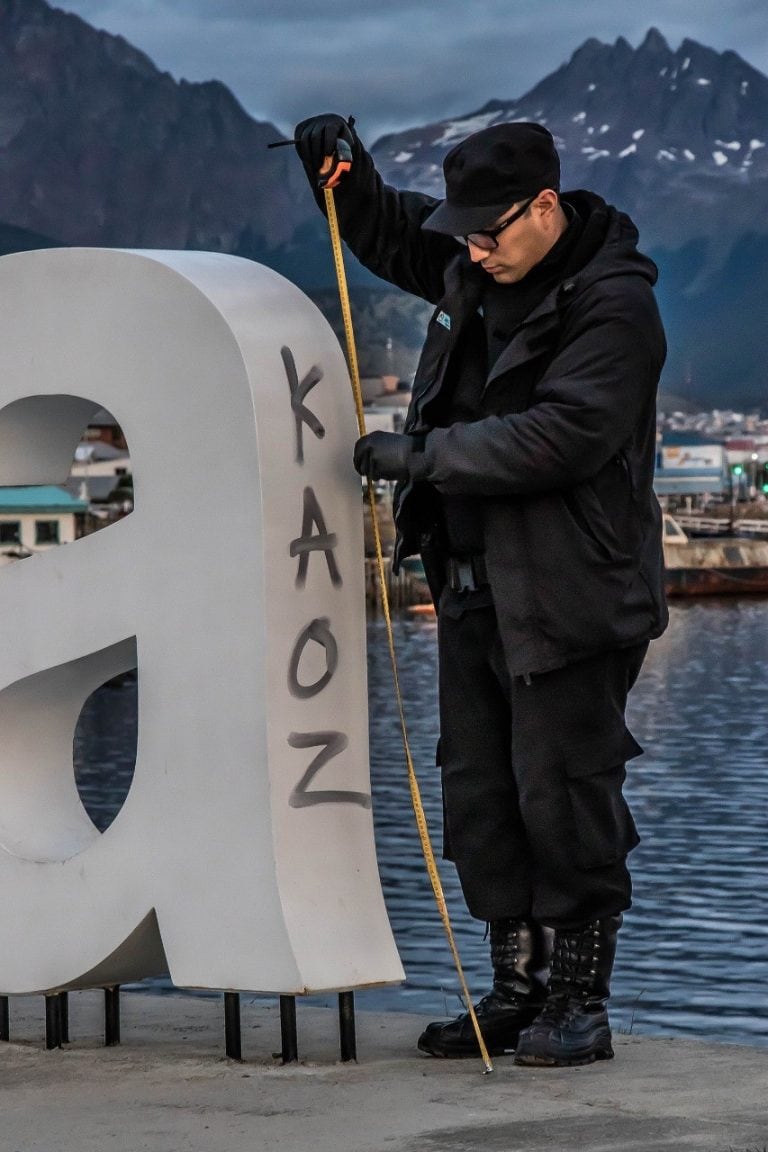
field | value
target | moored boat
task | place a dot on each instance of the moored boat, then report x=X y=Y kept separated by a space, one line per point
x=713 y=566
x=698 y=566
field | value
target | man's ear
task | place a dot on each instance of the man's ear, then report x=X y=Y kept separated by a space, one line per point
x=546 y=202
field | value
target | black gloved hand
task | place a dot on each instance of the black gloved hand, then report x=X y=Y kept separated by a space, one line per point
x=389 y=456
x=318 y=137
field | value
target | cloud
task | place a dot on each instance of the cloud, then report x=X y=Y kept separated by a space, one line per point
x=405 y=62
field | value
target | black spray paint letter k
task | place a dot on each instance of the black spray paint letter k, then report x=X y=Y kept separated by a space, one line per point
x=299 y=390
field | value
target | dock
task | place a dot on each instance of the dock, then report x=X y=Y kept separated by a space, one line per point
x=168 y=1087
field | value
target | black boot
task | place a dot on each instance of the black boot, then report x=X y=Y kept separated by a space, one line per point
x=573 y=1026
x=518 y=953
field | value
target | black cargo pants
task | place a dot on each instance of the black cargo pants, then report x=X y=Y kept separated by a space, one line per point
x=535 y=819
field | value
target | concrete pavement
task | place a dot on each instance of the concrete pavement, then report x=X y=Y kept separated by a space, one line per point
x=170 y=1088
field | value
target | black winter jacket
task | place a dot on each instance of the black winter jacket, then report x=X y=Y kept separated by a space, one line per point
x=561 y=457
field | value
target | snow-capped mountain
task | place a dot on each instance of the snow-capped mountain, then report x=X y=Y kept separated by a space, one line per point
x=629 y=123
x=98 y=146
x=679 y=139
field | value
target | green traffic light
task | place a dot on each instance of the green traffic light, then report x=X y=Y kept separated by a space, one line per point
x=737 y=469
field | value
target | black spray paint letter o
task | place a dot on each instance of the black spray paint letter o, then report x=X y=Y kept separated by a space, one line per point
x=318 y=630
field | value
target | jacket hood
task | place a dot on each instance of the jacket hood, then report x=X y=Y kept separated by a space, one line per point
x=608 y=242
x=606 y=248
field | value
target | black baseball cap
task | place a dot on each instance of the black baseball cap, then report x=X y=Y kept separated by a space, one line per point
x=491 y=170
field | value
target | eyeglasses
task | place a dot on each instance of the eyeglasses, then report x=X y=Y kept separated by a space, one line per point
x=486 y=239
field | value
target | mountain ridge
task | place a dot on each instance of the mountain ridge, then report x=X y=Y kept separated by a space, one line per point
x=677 y=139
x=104 y=148
x=622 y=117
x=99 y=147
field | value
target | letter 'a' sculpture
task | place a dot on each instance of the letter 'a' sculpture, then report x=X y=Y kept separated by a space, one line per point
x=243 y=856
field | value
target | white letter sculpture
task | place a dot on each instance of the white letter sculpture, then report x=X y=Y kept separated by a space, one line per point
x=243 y=857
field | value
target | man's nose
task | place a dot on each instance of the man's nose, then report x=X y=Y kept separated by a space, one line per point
x=476 y=255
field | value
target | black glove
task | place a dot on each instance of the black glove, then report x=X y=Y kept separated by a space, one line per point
x=389 y=456
x=318 y=137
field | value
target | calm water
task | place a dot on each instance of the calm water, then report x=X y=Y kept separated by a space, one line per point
x=693 y=956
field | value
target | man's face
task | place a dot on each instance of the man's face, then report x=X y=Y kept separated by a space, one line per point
x=523 y=243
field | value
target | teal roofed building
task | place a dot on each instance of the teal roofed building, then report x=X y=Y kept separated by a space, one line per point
x=37 y=517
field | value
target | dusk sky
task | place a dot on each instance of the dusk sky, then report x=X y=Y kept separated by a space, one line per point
x=397 y=63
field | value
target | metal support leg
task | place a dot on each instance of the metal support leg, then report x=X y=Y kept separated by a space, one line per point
x=64 y=1017
x=112 y=1016
x=52 y=1021
x=290 y=1043
x=347 y=1040
x=232 y=1025
x=5 y=1019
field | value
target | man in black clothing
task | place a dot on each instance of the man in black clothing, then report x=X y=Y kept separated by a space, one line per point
x=525 y=482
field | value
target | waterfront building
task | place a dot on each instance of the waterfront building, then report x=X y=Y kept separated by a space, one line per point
x=104 y=428
x=33 y=519
x=747 y=458
x=98 y=470
x=690 y=467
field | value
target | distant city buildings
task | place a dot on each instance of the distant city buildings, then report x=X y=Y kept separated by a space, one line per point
x=694 y=447
x=98 y=491
x=720 y=424
x=98 y=472
x=386 y=400
x=703 y=459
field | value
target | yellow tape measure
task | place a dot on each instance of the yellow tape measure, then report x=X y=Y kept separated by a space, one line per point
x=418 y=808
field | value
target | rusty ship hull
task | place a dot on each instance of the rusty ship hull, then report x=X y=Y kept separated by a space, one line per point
x=731 y=566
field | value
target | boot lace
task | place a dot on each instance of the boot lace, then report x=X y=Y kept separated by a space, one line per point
x=574 y=964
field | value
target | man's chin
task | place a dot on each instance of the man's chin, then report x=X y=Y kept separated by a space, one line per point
x=504 y=276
